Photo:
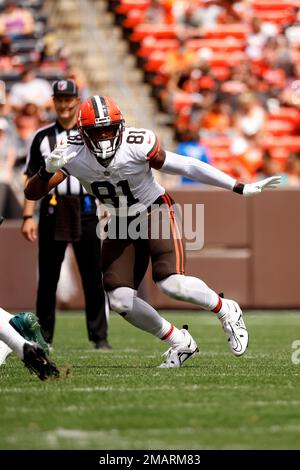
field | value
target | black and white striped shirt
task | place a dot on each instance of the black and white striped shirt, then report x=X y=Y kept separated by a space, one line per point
x=43 y=143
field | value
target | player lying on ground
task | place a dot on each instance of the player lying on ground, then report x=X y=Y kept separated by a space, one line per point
x=114 y=163
x=21 y=333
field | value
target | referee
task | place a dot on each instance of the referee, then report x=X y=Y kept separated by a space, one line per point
x=67 y=215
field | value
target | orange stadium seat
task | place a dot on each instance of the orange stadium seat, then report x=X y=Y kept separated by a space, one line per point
x=161 y=31
x=273 y=5
x=223 y=59
x=280 y=128
x=220 y=31
x=228 y=45
x=155 y=61
x=150 y=45
x=133 y=18
x=276 y=16
x=181 y=101
x=216 y=143
x=289 y=143
x=286 y=114
x=127 y=5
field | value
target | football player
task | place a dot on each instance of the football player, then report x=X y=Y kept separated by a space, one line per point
x=114 y=163
x=21 y=333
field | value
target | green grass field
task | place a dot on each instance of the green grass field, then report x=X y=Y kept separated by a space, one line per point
x=121 y=400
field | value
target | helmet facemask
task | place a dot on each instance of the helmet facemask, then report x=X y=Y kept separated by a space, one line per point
x=103 y=141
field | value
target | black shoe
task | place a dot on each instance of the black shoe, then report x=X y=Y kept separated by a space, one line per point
x=103 y=344
x=38 y=363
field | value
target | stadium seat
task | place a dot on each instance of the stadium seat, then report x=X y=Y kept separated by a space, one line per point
x=126 y=6
x=150 y=45
x=285 y=114
x=216 y=142
x=221 y=31
x=290 y=143
x=228 y=45
x=280 y=128
x=155 y=61
x=273 y=5
x=133 y=18
x=277 y=16
x=23 y=45
x=161 y=31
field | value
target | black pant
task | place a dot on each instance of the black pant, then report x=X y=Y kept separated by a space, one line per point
x=88 y=255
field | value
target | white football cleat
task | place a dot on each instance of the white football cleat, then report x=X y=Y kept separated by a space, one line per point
x=177 y=355
x=235 y=328
x=4 y=352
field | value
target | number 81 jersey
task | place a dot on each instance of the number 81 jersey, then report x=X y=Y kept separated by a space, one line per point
x=128 y=181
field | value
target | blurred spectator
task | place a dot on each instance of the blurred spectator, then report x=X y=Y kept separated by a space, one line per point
x=15 y=22
x=156 y=13
x=293 y=169
x=27 y=120
x=78 y=76
x=269 y=166
x=7 y=152
x=250 y=116
x=179 y=59
x=256 y=40
x=191 y=146
x=30 y=90
x=217 y=120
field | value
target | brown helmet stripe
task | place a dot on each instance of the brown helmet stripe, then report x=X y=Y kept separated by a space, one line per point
x=95 y=107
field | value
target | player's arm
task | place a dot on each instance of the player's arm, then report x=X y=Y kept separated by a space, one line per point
x=50 y=175
x=174 y=164
x=41 y=183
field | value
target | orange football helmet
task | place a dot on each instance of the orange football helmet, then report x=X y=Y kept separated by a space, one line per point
x=101 y=125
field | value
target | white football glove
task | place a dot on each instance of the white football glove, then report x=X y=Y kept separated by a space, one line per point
x=58 y=158
x=257 y=187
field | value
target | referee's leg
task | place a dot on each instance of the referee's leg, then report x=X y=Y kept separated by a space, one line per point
x=88 y=255
x=50 y=258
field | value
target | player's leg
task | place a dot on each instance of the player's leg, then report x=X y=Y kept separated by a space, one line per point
x=24 y=323
x=124 y=265
x=27 y=325
x=168 y=272
x=88 y=256
x=194 y=290
x=9 y=335
x=32 y=354
x=5 y=350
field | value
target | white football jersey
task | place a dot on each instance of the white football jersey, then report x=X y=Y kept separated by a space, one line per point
x=128 y=180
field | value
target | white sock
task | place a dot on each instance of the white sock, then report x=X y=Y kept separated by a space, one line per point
x=12 y=338
x=172 y=336
x=223 y=310
x=4 y=315
x=145 y=317
x=142 y=315
x=191 y=289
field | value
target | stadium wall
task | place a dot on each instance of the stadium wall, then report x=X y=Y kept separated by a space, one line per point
x=251 y=253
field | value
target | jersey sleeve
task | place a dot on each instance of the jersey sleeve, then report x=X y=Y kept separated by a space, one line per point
x=146 y=144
